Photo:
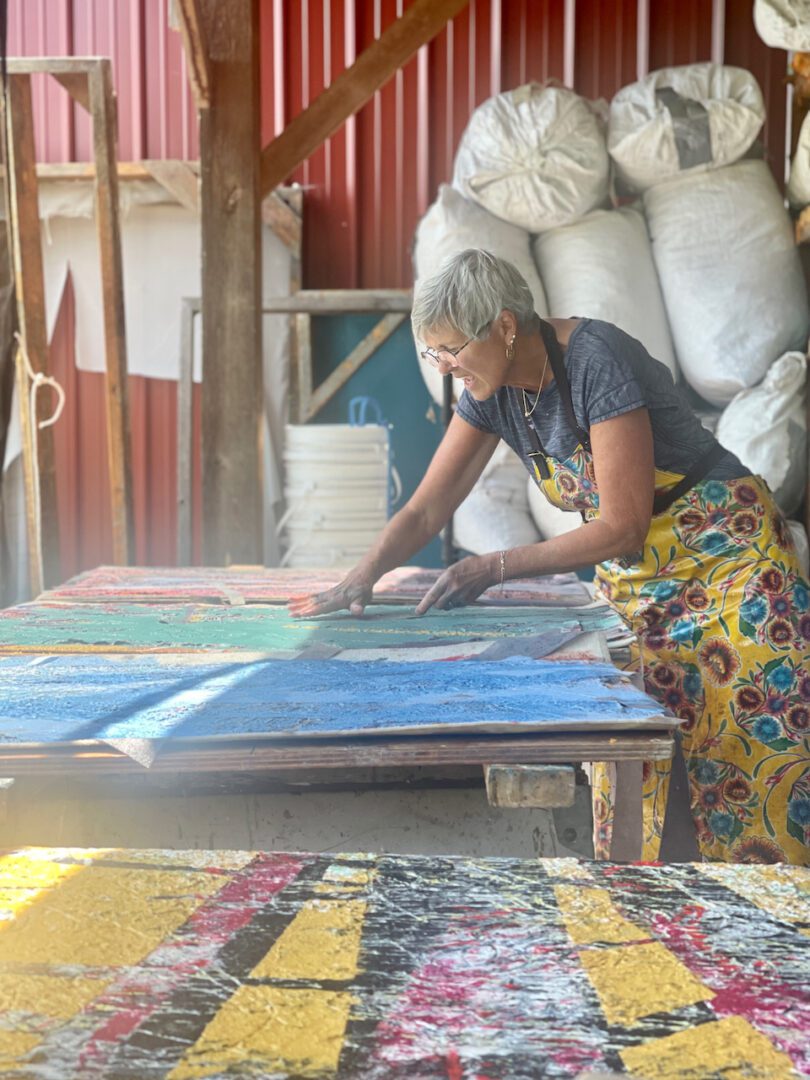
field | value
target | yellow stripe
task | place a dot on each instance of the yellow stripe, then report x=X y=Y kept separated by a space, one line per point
x=263 y=1030
x=783 y=892
x=105 y=916
x=322 y=942
x=26 y=874
x=50 y=996
x=590 y=916
x=14 y=1045
x=730 y=1048
x=638 y=980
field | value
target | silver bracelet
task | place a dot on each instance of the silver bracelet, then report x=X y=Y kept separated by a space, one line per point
x=502 y=561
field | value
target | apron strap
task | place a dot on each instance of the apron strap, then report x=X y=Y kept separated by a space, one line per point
x=555 y=355
x=696 y=473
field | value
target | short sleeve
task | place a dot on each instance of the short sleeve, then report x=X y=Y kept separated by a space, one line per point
x=471 y=411
x=610 y=387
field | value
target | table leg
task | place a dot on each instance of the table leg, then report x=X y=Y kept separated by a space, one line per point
x=627 y=828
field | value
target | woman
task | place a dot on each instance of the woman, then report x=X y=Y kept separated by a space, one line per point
x=690 y=549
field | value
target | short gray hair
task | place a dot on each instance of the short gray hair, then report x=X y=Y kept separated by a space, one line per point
x=469 y=292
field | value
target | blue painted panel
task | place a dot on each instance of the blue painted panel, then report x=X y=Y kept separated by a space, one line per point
x=69 y=698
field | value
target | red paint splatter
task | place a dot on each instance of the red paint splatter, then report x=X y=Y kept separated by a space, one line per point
x=453 y=1062
x=754 y=992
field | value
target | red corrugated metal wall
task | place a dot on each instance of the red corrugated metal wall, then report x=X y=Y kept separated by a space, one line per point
x=367 y=186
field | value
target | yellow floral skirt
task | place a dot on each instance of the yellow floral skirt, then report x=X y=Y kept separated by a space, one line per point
x=722 y=614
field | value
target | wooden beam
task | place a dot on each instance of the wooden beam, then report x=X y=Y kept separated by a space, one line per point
x=52 y=65
x=340 y=301
x=231 y=287
x=40 y=474
x=102 y=107
x=354 y=87
x=76 y=86
x=545 y=787
x=301 y=388
x=180 y=181
x=127 y=170
x=195 y=44
x=338 y=378
x=283 y=220
x=248 y=755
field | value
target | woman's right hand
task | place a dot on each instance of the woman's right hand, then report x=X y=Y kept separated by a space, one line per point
x=352 y=594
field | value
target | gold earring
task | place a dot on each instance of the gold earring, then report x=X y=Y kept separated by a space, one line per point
x=510 y=349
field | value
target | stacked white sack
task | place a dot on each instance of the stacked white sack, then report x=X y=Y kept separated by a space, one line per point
x=730 y=274
x=767 y=430
x=496 y=514
x=602 y=267
x=534 y=156
x=798 y=190
x=550 y=520
x=783 y=24
x=683 y=120
x=453 y=224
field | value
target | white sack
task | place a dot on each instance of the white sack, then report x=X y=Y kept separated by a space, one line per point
x=534 y=156
x=783 y=24
x=601 y=267
x=730 y=274
x=683 y=120
x=453 y=224
x=549 y=519
x=495 y=514
x=766 y=428
x=799 y=534
x=798 y=190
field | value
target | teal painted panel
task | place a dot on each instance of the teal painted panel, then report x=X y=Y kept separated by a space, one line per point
x=45 y=627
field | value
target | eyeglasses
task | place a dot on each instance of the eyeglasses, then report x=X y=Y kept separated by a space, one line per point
x=443 y=356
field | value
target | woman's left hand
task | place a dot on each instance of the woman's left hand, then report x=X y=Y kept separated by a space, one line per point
x=461 y=583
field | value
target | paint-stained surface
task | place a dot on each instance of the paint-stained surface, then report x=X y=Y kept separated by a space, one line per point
x=110 y=627
x=72 y=698
x=278 y=585
x=207 y=964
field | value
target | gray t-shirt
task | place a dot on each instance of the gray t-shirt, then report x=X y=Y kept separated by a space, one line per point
x=610 y=373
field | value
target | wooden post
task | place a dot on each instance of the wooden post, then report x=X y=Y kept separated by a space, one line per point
x=231 y=287
x=43 y=525
x=185 y=427
x=102 y=109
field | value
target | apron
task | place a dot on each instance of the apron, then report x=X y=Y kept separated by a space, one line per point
x=721 y=611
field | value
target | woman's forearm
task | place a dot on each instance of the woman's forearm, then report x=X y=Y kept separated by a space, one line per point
x=592 y=543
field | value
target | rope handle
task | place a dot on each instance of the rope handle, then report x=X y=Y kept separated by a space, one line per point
x=37 y=380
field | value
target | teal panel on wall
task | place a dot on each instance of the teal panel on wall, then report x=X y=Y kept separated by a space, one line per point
x=392 y=377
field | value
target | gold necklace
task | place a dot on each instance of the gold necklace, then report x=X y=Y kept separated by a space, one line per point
x=527 y=412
